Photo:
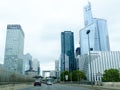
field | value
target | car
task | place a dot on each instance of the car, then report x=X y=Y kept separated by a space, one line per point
x=49 y=83
x=37 y=82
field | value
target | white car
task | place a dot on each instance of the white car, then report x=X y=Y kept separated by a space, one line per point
x=49 y=83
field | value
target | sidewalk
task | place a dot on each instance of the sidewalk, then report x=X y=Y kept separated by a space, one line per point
x=14 y=87
x=101 y=87
x=95 y=87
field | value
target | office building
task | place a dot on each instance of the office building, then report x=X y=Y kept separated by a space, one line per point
x=98 y=36
x=100 y=61
x=27 y=65
x=57 y=69
x=14 y=46
x=77 y=55
x=67 y=51
x=36 y=65
x=52 y=73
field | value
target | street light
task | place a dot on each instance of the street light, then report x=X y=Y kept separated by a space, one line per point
x=119 y=73
x=88 y=31
x=63 y=70
x=99 y=80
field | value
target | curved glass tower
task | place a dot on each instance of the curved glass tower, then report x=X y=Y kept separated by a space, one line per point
x=98 y=36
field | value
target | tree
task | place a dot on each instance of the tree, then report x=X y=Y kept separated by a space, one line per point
x=111 y=75
x=63 y=74
x=78 y=75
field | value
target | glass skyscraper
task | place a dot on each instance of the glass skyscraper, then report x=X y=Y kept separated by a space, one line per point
x=13 y=58
x=98 y=36
x=27 y=62
x=67 y=51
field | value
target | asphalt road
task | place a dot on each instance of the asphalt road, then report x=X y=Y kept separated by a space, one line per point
x=55 y=87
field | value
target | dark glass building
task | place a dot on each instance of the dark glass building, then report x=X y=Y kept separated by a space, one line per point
x=78 y=51
x=67 y=51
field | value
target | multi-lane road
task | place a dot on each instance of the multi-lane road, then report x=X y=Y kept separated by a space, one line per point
x=55 y=87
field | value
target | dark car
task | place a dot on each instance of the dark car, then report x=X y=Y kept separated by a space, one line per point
x=37 y=82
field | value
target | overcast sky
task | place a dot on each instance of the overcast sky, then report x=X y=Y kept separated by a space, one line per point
x=43 y=21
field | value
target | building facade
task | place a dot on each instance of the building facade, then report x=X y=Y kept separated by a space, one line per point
x=78 y=51
x=36 y=65
x=27 y=65
x=98 y=36
x=14 y=46
x=67 y=51
x=52 y=73
x=100 y=61
x=77 y=55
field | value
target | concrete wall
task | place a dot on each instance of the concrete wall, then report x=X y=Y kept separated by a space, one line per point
x=113 y=84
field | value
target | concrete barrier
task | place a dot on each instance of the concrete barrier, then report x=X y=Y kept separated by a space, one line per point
x=111 y=84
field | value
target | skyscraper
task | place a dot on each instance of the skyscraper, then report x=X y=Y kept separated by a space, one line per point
x=27 y=62
x=77 y=55
x=67 y=51
x=98 y=36
x=13 y=58
x=36 y=65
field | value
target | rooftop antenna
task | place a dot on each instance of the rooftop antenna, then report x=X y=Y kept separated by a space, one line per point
x=89 y=3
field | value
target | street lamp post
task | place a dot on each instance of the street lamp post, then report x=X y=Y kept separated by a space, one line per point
x=63 y=71
x=119 y=73
x=99 y=78
x=88 y=31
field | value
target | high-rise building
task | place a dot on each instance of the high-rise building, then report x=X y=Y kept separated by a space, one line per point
x=98 y=36
x=77 y=55
x=36 y=65
x=27 y=65
x=100 y=61
x=67 y=51
x=13 y=58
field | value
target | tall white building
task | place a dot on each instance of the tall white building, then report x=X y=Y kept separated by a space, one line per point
x=36 y=65
x=99 y=61
x=14 y=47
x=27 y=62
